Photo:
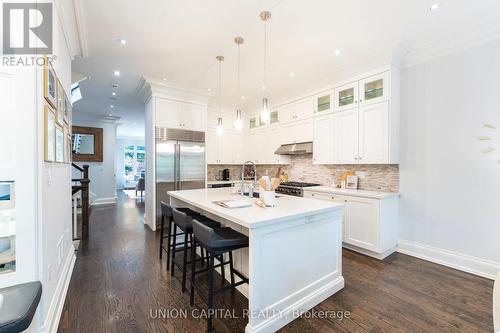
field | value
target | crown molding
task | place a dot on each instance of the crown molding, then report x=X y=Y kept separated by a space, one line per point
x=469 y=37
x=81 y=27
x=149 y=87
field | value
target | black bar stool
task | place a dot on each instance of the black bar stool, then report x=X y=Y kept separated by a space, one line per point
x=216 y=242
x=166 y=214
x=184 y=222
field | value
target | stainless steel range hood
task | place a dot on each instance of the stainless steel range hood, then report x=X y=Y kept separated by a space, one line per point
x=295 y=149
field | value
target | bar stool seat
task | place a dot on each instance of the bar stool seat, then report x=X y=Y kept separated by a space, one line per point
x=226 y=239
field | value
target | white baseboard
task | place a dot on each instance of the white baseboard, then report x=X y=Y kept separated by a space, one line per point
x=376 y=255
x=53 y=316
x=104 y=201
x=462 y=262
x=273 y=323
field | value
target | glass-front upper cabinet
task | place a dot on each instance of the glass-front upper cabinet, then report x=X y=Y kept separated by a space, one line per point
x=346 y=97
x=253 y=122
x=374 y=89
x=274 y=117
x=323 y=102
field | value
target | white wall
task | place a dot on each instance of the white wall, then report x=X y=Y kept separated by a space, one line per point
x=150 y=195
x=101 y=174
x=119 y=158
x=44 y=250
x=450 y=189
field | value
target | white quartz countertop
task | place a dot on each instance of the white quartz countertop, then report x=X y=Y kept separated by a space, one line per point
x=222 y=182
x=355 y=193
x=287 y=207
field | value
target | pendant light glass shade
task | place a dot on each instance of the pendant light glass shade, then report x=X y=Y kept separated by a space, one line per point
x=265 y=110
x=238 y=123
x=220 y=128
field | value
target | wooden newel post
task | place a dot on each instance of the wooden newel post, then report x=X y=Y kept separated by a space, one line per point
x=85 y=201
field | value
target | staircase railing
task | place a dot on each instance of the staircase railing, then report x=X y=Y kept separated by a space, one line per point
x=83 y=186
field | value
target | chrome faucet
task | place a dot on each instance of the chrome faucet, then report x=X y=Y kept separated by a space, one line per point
x=250 y=194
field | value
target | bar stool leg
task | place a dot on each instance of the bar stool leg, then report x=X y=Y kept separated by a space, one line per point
x=231 y=268
x=193 y=269
x=169 y=239
x=210 y=292
x=184 y=262
x=161 y=236
x=222 y=269
x=173 y=249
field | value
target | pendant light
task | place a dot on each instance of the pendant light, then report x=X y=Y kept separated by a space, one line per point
x=220 y=128
x=265 y=115
x=238 y=123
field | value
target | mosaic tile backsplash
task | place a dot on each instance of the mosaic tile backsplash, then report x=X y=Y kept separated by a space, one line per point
x=377 y=177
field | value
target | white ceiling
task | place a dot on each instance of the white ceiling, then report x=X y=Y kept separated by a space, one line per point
x=179 y=40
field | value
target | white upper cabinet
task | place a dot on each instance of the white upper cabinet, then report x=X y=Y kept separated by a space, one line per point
x=323 y=103
x=211 y=147
x=374 y=89
x=295 y=111
x=323 y=139
x=345 y=143
x=299 y=131
x=374 y=133
x=304 y=108
x=239 y=147
x=346 y=97
x=227 y=120
x=181 y=115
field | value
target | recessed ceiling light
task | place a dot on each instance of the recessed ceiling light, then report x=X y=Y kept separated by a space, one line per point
x=110 y=114
x=113 y=93
x=243 y=97
x=435 y=6
x=116 y=73
x=164 y=79
x=135 y=123
x=122 y=41
x=263 y=87
x=209 y=90
x=337 y=52
x=292 y=74
x=112 y=106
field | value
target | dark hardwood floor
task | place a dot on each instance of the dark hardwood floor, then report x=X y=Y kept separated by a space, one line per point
x=119 y=284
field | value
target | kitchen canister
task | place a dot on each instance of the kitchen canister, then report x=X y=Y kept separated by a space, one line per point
x=268 y=197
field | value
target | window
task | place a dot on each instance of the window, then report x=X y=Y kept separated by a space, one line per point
x=134 y=164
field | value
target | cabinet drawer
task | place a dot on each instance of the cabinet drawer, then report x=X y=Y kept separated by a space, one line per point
x=323 y=196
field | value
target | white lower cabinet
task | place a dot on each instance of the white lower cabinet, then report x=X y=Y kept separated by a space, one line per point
x=370 y=226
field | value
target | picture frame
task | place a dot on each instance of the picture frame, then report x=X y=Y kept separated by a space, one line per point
x=96 y=135
x=60 y=104
x=49 y=83
x=49 y=133
x=69 y=150
x=67 y=109
x=59 y=153
x=352 y=182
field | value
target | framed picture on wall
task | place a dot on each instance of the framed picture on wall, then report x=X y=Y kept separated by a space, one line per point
x=68 y=147
x=59 y=144
x=49 y=133
x=49 y=83
x=67 y=108
x=60 y=103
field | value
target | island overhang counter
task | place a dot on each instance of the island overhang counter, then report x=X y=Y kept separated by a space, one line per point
x=294 y=258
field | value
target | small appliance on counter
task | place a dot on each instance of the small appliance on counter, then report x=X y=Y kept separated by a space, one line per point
x=225 y=174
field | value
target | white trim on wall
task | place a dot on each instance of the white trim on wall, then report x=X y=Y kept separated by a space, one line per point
x=104 y=201
x=462 y=262
x=51 y=322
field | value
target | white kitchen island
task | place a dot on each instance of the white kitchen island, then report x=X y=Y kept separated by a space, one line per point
x=294 y=259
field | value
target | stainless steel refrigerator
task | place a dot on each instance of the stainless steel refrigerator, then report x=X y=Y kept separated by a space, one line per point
x=180 y=162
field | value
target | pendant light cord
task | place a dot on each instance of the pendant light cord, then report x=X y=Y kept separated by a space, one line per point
x=265 y=54
x=239 y=82
x=220 y=87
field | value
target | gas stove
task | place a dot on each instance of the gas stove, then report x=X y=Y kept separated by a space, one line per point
x=294 y=188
